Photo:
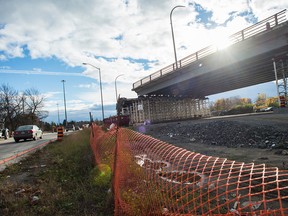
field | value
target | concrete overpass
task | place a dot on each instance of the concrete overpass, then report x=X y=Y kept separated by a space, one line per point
x=250 y=59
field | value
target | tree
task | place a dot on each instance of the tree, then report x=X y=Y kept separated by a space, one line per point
x=260 y=101
x=9 y=105
x=232 y=105
x=18 y=109
x=272 y=102
x=35 y=102
x=245 y=101
x=227 y=103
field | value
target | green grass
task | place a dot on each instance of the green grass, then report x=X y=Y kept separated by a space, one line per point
x=61 y=177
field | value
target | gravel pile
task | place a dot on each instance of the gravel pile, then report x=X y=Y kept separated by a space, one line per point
x=223 y=133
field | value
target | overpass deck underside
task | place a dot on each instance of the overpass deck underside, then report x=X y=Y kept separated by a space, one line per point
x=244 y=64
x=239 y=75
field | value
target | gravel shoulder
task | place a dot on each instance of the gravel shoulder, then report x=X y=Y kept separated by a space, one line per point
x=258 y=138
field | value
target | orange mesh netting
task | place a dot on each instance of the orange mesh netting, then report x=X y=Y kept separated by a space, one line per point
x=151 y=177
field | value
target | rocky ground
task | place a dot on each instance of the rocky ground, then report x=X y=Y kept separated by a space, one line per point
x=259 y=138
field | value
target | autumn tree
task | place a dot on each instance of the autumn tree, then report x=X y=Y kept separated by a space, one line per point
x=222 y=104
x=260 y=101
x=272 y=102
x=263 y=101
x=229 y=103
x=244 y=101
x=232 y=105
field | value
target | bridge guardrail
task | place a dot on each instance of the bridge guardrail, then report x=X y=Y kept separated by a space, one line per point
x=242 y=35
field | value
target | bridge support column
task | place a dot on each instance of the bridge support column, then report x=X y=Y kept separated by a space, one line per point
x=281 y=77
x=136 y=112
x=161 y=109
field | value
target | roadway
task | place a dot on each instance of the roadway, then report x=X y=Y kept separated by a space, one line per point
x=12 y=152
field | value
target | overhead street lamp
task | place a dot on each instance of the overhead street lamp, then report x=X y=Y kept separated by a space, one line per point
x=116 y=86
x=63 y=81
x=100 y=86
x=176 y=63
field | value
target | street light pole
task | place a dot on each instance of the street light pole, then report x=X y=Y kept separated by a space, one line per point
x=100 y=86
x=116 y=86
x=58 y=114
x=176 y=63
x=63 y=81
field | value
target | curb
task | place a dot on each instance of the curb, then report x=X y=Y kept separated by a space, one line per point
x=3 y=141
x=5 y=160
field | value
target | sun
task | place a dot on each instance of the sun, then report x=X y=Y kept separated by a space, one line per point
x=222 y=42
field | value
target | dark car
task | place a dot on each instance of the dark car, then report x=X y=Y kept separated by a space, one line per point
x=70 y=127
x=28 y=132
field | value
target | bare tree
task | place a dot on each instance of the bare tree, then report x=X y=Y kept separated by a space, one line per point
x=8 y=108
x=35 y=103
x=18 y=109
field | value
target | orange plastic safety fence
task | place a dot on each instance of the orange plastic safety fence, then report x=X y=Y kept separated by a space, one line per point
x=103 y=145
x=151 y=177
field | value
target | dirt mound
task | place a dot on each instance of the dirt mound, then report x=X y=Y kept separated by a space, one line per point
x=235 y=138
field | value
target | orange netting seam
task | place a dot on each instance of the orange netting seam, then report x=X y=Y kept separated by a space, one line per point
x=151 y=177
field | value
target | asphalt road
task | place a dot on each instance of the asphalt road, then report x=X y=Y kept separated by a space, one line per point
x=12 y=152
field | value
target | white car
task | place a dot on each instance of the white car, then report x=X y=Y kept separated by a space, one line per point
x=27 y=132
x=268 y=109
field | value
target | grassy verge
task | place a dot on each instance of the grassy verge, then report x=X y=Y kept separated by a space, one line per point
x=57 y=180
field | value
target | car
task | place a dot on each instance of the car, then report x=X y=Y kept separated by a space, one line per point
x=268 y=109
x=25 y=132
x=70 y=127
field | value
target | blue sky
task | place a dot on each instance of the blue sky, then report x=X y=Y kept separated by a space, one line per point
x=44 y=42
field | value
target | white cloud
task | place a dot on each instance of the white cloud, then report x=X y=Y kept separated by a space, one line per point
x=81 y=30
x=71 y=30
x=88 y=86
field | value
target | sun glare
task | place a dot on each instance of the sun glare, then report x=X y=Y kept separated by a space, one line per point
x=222 y=43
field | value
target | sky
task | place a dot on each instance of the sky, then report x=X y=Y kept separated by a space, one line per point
x=43 y=42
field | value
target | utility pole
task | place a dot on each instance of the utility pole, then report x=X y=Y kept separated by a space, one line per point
x=100 y=87
x=58 y=114
x=63 y=81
